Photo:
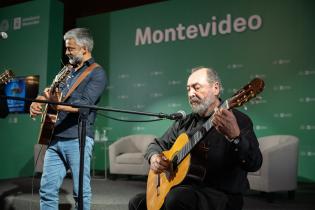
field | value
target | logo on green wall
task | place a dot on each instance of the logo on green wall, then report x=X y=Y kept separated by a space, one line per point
x=4 y=25
x=182 y=32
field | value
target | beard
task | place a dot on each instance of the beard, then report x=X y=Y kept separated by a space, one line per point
x=75 y=59
x=200 y=106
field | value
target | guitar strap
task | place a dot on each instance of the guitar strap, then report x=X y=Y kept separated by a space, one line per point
x=79 y=80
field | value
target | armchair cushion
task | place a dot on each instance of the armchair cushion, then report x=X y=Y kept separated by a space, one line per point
x=126 y=155
x=130 y=158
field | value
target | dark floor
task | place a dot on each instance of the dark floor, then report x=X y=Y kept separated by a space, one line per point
x=16 y=194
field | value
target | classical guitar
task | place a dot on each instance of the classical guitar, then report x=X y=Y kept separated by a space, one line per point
x=50 y=115
x=6 y=76
x=158 y=185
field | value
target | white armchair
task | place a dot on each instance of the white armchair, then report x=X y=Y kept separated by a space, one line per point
x=280 y=164
x=126 y=155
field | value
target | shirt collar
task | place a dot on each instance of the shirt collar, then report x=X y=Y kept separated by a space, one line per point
x=86 y=64
x=89 y=62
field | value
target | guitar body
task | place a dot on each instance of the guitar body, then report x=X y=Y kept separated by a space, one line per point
x=49 y=116
x=48 y=121
x=158 y=185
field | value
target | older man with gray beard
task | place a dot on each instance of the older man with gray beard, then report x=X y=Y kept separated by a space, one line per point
x=225 y=154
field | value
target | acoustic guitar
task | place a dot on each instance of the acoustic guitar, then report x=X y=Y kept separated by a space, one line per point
x=49 y=116
x=158 y=185
x=6 y=76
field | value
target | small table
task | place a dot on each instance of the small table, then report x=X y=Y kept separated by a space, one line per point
x=105 y=145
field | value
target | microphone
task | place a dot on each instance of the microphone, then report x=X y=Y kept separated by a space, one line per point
x=3 y=35
x=177 y=116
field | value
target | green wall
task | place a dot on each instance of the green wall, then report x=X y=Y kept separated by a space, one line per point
x=273 y=40
x=33 y=47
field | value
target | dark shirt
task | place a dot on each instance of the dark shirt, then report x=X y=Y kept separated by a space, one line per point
x=226 y=163
x=88 y=92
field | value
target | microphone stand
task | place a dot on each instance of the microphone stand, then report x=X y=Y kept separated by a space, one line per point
x=84 y=110
x=92 y=107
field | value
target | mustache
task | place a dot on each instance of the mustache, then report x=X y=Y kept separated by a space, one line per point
x=74 y=59
x=71 y=56
x=194 y=99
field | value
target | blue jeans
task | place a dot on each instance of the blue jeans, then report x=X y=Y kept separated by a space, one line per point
x=61 y=155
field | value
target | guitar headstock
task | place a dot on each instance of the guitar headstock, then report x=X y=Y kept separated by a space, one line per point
x=248 y=92
x=61 y=77
x=6 y=76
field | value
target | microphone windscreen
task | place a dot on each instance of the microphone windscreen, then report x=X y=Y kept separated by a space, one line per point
x=183 y=114
x=3 y=35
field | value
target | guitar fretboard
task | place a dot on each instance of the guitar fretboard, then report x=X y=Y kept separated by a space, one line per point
x=60 y=78
x=197 y=136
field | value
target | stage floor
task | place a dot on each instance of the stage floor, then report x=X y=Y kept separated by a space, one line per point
x=16 y=194
x=107 y=194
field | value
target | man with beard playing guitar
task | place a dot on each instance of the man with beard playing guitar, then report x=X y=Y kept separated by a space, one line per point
x=63 y=150
x=223 y=157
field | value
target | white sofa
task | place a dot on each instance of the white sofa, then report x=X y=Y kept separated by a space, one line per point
x=126 y=155
x=280 y=165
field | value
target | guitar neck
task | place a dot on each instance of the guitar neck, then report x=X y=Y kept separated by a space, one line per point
x=60 y=78
x=53 y=87
x=198 y=136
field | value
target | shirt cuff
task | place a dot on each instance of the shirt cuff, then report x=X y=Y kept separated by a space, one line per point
x=240 y=144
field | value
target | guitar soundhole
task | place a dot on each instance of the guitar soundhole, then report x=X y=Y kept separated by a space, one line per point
x=171 y=173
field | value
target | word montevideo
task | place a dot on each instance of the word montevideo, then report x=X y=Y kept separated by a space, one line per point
x=181 y=32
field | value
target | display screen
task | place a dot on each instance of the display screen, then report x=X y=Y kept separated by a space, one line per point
x=23 y=87
x=16 y=87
